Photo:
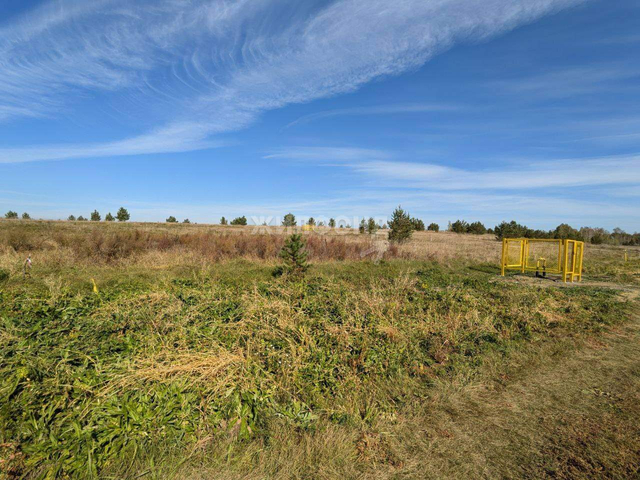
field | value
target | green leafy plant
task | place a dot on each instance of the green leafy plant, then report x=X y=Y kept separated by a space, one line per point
x=11 y=214
x=171 y=219
x=433 y=227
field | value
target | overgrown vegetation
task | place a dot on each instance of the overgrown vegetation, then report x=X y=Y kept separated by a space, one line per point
x=96 y=382
x=183 y=350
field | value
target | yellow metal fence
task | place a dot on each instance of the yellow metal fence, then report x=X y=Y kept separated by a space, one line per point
x=543 y=256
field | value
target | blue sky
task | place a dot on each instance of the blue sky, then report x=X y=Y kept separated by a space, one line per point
x=475 y=109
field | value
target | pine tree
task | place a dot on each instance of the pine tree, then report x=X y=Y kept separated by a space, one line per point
x=26 y=216
x=294 y=256
x=11 y=214
x=332 y=223
x=400 y=225
x=223 y=221
x=71 y=218
x=239 y=221
x=311 y=222
x=418 y=225
x=171 y=219
x=123 y=215
x=108 y=217
x=459 y=226
x=95 y=216
x=434 y=227
x=372 y=226
x=363 y=226
x=289 y=220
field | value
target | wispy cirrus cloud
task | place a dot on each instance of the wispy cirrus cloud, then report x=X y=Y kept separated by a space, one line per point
x=525 y=175
x=216 y=66
x=373 y=110
x=568 y=81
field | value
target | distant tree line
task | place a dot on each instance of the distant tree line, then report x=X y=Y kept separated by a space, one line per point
x=402 y=225
x=595 y=236
x=122 y=216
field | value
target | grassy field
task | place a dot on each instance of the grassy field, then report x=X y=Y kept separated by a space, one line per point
x=189 y=359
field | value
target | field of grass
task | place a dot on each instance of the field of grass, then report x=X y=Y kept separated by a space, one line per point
x=188 y=359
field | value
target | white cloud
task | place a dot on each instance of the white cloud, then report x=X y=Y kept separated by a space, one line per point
x=373 y=110
x=175 y=138
x=329 y=155
x=568 y=82
x=218 y=65
x=379 y=165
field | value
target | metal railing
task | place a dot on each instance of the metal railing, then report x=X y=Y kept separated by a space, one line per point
x=544 y=256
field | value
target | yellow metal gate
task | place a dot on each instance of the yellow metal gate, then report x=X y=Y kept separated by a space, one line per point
x=543 y=256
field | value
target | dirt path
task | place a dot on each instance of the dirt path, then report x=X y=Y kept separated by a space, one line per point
x=554 y=412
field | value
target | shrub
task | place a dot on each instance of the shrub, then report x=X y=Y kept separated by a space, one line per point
x=294 y=256
x=71 y=218
x=332 y=223
x=108 y=217
x=566 y=231
x=363 y=226
x=289 y=220
x=239 y=221
x=11 y=214
x=82 y=219
x=433 y=227
x=26 y=216
x=400 y=225
x=123 y=215
x=4 y=274
x=95 y=216
x=511 y=230
x=186 y=220
x=477 y=228
x=418 y=225
x=459 y=226
x=171 y=219
x=223 y=221
x=311 y=222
